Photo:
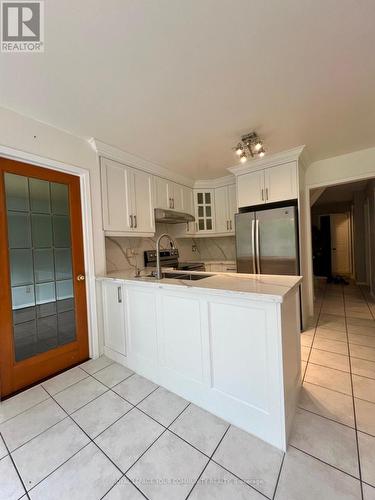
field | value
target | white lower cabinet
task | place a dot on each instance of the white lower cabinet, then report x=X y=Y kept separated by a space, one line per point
x=236 y=357
x=114 y=316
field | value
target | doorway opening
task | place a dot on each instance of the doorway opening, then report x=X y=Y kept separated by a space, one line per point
x=343 y=232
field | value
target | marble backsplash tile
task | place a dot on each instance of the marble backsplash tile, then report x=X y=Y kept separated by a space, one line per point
x=127 y=253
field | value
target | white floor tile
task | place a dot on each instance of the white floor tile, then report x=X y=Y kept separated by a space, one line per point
x=43 y=454
x=329 y=441
x=367 y=457
x=126 y=440
x=94 y=365
x=335 y=346
x=3 y=450
x=200 y=428
x=124 y=490
x=77 y=395
x=30 y=423
x=368 y=492
x=329 y=334
x=168 y=470
x=163 y=406
x=135 y=388
x=363 y=367
x=329 y=378
x=23 y=401
x=86 y=476
x=100 y=413
x=365 y=413
x=305 y=351
x=330 y=359
x=364 y=388
x=303 y=477
x=64 y=380
x=10 y=485
x=113 y=374
x=365 y=340
x=261 y=466
x=362 y=352
x=219 y=484
x=327 y=403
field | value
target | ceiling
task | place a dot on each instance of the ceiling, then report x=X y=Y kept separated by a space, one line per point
x=341 y=193
x=178 y=82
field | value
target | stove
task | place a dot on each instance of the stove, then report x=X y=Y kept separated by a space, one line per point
x=169 y=258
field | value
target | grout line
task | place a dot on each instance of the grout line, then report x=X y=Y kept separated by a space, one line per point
x=27 y=409
x=353 y=401
x=116 y=384
x=14 y=465
x=327 y=418
x=278 y=477
x=68 y=386
x=323 y=462
x=313 y=337
x=80 y=366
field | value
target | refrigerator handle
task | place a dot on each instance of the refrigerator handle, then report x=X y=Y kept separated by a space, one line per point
x=257 y=245
x=253 y=245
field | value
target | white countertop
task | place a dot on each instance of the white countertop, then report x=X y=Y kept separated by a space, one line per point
x=271 y=288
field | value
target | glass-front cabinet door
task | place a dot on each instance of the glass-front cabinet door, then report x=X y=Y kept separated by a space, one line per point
x=44 y=274
x=204 y=206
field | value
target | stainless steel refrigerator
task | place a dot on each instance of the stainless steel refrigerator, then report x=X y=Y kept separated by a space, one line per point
x=267 y=241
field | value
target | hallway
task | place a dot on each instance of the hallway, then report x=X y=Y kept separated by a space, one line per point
x=338 y=369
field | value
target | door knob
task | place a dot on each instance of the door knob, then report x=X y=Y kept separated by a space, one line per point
x=81 y=277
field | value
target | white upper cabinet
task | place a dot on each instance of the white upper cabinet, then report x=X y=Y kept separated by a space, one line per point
x=278 y=183
x=187 y=200
x=281 y=182
x=143 y=211
x=162 y=197
x=127 y=199
x=225 y=208
x=250 y=188
x=168 y=194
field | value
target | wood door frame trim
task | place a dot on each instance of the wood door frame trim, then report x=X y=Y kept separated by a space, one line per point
x=88 y=241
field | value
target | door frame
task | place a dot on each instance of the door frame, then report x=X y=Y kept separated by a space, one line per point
x=88 y=242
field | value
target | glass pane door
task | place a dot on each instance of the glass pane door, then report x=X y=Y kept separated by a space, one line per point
x=40 y=253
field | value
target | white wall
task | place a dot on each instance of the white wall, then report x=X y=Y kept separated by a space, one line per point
x=343 y=168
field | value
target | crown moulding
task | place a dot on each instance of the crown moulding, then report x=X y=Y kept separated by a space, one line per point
x=294 y=154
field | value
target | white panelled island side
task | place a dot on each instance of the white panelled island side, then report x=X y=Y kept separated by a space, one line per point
x=230 y=343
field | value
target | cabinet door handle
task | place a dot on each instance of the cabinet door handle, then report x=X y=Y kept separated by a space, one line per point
x=131 y=221
x=227 y=225
x=172 y=202
x=135 y=221
x=187 y=227
x=119 y=295
x=196 y=226
x=267 y=194
x=230 y=225
x=262 y=194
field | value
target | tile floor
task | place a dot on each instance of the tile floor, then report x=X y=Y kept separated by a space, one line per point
x=101 y=431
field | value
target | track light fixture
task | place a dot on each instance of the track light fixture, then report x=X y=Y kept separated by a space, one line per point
x=249 y=146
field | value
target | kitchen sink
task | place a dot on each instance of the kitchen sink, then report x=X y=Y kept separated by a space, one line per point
x=186 y=276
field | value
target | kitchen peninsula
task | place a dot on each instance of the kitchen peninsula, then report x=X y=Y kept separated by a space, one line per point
x=227 y=342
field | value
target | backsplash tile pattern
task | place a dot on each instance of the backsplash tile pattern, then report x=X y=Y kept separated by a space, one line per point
x=119 y=258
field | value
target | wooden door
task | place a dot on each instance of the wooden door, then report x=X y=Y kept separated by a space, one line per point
x=340 y=244
x=43 y=314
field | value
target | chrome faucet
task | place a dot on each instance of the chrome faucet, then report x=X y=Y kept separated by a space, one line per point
x=159 y=274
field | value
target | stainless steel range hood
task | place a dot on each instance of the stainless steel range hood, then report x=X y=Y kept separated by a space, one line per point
x=172 y=217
